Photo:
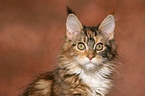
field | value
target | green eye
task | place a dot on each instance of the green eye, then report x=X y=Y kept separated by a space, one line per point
x=99 y=47
x=81 y=46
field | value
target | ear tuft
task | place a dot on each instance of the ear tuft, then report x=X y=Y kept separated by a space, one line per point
x=107 y=26
x=73 y=26
x=69 y=11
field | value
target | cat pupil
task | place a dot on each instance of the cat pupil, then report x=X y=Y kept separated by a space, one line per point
x=99 y=46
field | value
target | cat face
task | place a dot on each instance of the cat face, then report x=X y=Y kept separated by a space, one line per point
x=89 y=47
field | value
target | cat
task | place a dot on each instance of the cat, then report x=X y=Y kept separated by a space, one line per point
x=86 y=62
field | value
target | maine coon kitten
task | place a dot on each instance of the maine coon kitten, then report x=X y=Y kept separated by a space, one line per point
x=85 y=63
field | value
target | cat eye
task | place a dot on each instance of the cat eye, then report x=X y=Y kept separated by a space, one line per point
x=99 y=47
x=81 y=46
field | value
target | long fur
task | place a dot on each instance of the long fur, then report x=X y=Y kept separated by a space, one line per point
x=84 y=72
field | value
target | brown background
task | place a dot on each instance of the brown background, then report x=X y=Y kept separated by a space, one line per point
x=32 y=32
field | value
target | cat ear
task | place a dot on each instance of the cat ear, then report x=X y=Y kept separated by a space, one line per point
x=73 y=26
x=107 y=27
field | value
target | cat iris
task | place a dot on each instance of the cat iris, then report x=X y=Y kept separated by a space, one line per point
x=99 y=47
x=81 y=46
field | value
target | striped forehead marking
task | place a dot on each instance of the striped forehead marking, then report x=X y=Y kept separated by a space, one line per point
x=90 y=34
x=90 y=38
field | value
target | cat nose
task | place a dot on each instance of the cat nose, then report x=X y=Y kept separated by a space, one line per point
x=90 y=57
x=90 y=54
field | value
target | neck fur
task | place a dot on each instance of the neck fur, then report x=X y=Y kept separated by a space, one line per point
x=98 y=80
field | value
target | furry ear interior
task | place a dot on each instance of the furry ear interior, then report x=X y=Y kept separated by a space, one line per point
x=107 y=27
x=73 y=26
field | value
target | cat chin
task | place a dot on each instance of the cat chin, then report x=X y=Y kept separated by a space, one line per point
x=90 y=66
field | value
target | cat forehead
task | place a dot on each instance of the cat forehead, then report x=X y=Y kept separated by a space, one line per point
x=91 y=34
x=90 y=31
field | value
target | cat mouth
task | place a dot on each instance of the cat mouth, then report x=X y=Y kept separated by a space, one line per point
x=92 y=63
x=91 y=66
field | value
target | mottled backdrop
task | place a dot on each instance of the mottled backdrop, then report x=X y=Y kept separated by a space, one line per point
x=32 y=33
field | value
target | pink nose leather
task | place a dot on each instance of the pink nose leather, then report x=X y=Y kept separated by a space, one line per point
x=90 y=57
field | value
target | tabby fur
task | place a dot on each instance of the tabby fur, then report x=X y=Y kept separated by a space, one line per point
x=84 y=72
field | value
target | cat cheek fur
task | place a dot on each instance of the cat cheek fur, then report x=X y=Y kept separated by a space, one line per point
x=82 y=60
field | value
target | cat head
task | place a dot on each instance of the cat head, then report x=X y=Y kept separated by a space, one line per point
x=89 y=46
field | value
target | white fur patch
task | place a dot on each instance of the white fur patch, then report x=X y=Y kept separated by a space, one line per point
x=96 y=81
x=94 y=77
